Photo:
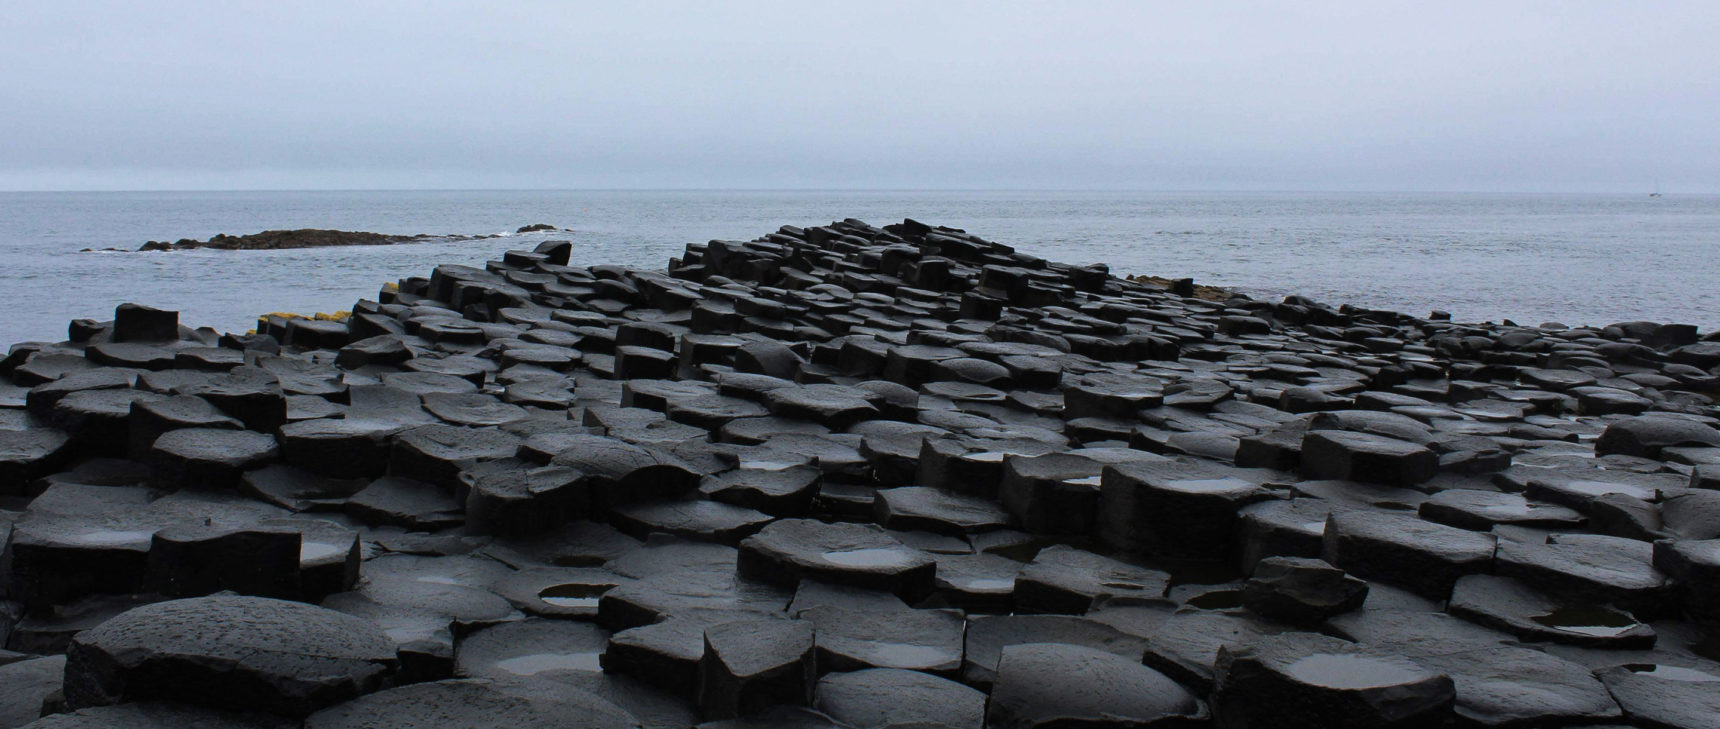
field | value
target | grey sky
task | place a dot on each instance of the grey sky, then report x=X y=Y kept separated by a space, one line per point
x=1550 y=96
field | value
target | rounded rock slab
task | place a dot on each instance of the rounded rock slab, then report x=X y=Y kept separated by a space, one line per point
x=1054 y=685
x=849 y=554
x=228 y=652
x=1312 y=680
x=884 y=697
x=474 y=704
x=160 y=715
x=1646 y=435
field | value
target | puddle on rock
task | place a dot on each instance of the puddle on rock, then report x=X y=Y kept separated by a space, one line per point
x=1344 y=671
x=540 y=662
x=313 y=551
x=1217 y=600
x=574 y=595
x=874 y=557
x=1209 y=485
x=905 y=655
x=1672 y=673
x=985 y=457
x=990 y=584
x=1593 y=621
x=770 y=465
x=109 y=538
x=1088 y=481
x=1602 y=488
x=437 y=579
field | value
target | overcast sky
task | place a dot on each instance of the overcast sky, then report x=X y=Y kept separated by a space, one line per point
x=1483 y=96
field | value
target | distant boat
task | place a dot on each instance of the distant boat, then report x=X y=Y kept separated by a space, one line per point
x=1656 y=192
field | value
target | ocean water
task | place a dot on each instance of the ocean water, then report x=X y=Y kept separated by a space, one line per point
x=1577 y=259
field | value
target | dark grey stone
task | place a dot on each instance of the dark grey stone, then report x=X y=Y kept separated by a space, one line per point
x=1051 y=685
x=1174 y=510
x=1359 y=456
x=238 y=653
x=1301 y=591
x=1511 y=606
x=208 y=458
x=1310 y=680
x=885 y=697
x=1647 y=435
x=473 y=704
x=1067 y=580
x=789 y=550
x=750 y=665
x=1403 y=550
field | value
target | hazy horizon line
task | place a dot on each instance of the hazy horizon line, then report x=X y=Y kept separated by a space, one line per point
x=1162 y=190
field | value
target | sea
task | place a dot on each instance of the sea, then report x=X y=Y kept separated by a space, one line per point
x=1529 y=258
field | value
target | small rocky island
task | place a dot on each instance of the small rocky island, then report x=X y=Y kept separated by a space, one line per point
x=274 y=240
x=852 y=476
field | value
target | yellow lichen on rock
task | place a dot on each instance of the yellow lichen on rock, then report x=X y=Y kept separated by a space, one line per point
x=1201 y=291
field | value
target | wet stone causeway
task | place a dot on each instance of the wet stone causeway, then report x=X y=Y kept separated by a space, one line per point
x=852 y=476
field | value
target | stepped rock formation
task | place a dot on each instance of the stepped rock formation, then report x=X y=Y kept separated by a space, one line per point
x=857 y=476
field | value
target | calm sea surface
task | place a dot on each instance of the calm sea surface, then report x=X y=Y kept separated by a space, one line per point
x=1577 y=259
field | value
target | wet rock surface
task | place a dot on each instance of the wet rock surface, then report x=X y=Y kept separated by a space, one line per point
x=847 y=475
x=229 y=652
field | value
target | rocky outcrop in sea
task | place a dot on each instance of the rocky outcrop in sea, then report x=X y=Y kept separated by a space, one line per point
x=851 y=476
x=275 y=240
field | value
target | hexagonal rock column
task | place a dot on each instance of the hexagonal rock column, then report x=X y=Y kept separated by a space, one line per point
x=436 y=454
x=880 y=697
x=1419 y=556
x=1646 y=435
x=159 y=715
x=1694 y=565
x=846 y=554
x=918 y=508
x=1297 y=680
x=753 y=664
x=1301 y=591
x=27 y=454
x=1338 y=454
x=241 y=653
x=625 y=473
x=1056 y=493
x=1057 y=685
x=139 y=323
x=475 y=704
x=1664 y=695
x=1063 y=579
x=1173 y=510
x=523 y=502
x=197 y=559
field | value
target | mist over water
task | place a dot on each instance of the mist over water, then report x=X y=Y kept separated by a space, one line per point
x=1577 y=259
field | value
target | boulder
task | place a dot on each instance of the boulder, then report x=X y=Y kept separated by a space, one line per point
x=236 y=653
x=1301 y=591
